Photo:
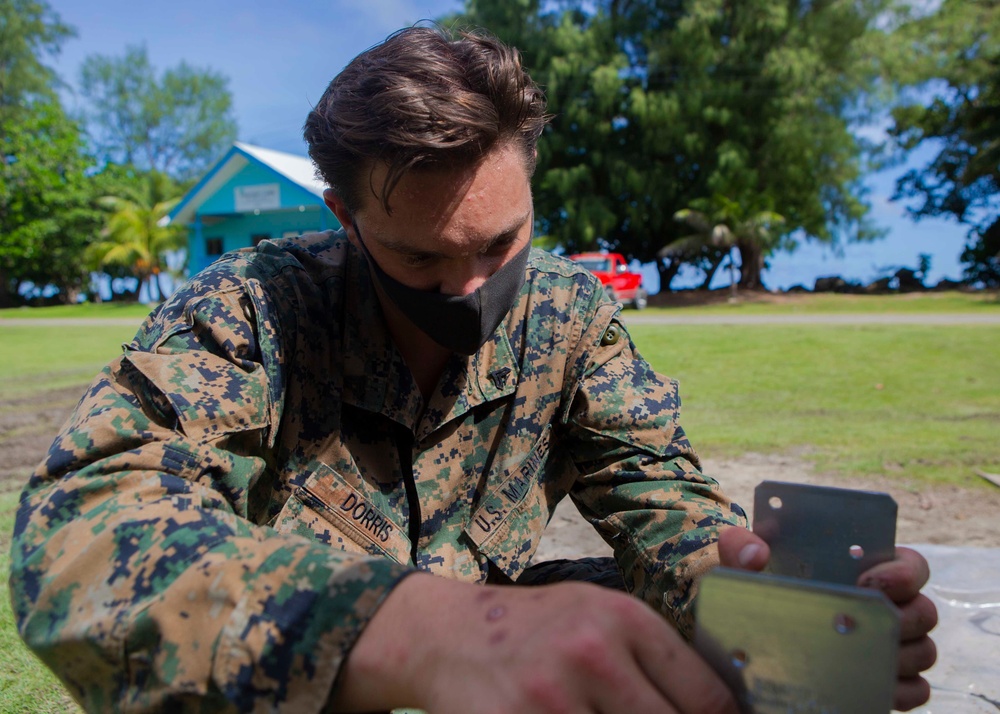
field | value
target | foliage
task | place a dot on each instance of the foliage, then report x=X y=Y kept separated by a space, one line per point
x=47 y=214
x=135 y=237
x=29 y=29
x=40 y=170
x=657 y=104
x=982 y=256
x=175 y=124
x=955 y=57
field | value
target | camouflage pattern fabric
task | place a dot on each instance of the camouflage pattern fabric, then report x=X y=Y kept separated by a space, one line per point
x=236 y=494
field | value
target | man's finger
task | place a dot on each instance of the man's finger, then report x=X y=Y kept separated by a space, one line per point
x=741 y=548
x=901 y=578
x=911 y=693
x=916 y=657
x=682 y=677
x=917 y=617
x=641 y=696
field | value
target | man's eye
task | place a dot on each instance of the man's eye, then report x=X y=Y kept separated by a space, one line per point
x=500 y=247
x=417 y=261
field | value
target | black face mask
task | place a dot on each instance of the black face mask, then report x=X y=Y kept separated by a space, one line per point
x=460 y=323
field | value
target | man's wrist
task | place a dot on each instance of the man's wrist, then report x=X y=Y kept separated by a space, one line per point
x=392 y=658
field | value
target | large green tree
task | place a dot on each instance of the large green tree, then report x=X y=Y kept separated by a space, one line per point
x=29 y=32
x=175 y=123
x=659 y=103
x=47 y=208
x=953 y=59
x=44 y=209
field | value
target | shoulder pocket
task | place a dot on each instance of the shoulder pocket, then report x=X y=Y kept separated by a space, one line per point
x=209 y=396
x=217 y=367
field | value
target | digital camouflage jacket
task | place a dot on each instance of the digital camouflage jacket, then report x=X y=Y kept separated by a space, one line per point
x=237 y=493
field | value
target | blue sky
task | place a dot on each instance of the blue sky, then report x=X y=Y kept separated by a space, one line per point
x=279 y=57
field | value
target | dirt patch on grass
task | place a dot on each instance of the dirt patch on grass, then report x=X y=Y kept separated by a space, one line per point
x=944 y=515
x=27 y=426
x=947 y=515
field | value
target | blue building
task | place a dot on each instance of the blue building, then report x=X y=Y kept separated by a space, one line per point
x=250 y=195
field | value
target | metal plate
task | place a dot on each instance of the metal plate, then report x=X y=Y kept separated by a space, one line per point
x=823 y=533
x=791 y=645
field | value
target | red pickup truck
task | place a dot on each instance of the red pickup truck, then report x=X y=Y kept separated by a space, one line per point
x=620 y=283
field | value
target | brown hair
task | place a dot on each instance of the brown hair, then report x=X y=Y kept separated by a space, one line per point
x=422 y=99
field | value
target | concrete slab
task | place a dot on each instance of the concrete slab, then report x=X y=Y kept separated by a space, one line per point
x=965 y=586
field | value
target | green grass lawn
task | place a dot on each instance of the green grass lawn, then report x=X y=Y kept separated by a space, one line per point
x=895 y=400
x=42 y=358
x=86 y=310
x=899 y=400
x=757 y=303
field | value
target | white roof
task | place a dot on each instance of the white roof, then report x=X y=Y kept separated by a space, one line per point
x=297 y=169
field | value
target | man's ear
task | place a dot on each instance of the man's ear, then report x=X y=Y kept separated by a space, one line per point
x=336 y=204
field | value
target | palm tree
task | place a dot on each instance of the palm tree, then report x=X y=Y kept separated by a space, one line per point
x=135 y=236
x=725 y=225
x=712 y=241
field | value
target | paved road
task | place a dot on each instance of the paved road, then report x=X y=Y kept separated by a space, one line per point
x=648 y=318
x=882 y=318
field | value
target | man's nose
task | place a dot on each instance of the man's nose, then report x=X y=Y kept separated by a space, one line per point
x=467 y=276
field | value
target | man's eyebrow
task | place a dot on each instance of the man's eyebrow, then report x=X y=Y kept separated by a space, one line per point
x=405 y=249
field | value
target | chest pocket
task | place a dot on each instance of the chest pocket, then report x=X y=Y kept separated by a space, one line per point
x=510 y=519
x=328 y=508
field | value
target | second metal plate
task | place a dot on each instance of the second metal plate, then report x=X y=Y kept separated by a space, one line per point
x=823 y=533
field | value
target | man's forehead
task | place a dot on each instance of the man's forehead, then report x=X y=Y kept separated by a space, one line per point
x=443 y=183
x=480 y=202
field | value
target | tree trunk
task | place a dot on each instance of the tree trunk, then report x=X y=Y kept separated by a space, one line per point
x=667 y=271
x=159 y=286
x=713 y=268
x=751 y=265
x=8 y=296
x=150 y=282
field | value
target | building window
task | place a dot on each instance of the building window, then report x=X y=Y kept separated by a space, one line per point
x=256 y=238
x=213 y=246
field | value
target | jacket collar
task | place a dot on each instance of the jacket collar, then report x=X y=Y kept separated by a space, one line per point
x=377 y=379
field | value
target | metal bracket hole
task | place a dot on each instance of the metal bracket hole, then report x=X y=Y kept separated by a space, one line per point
x=739 y=658
x=844 y=623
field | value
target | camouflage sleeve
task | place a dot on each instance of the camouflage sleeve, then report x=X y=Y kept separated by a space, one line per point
x=640 y=483
x=140 y=572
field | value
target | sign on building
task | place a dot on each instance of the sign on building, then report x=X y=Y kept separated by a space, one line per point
x=261 y=197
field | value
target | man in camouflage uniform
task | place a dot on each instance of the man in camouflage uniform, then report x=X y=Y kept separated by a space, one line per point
x=311 y=479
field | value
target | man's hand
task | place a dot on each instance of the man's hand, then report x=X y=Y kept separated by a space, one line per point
x=900 y=579
x=450 y=647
